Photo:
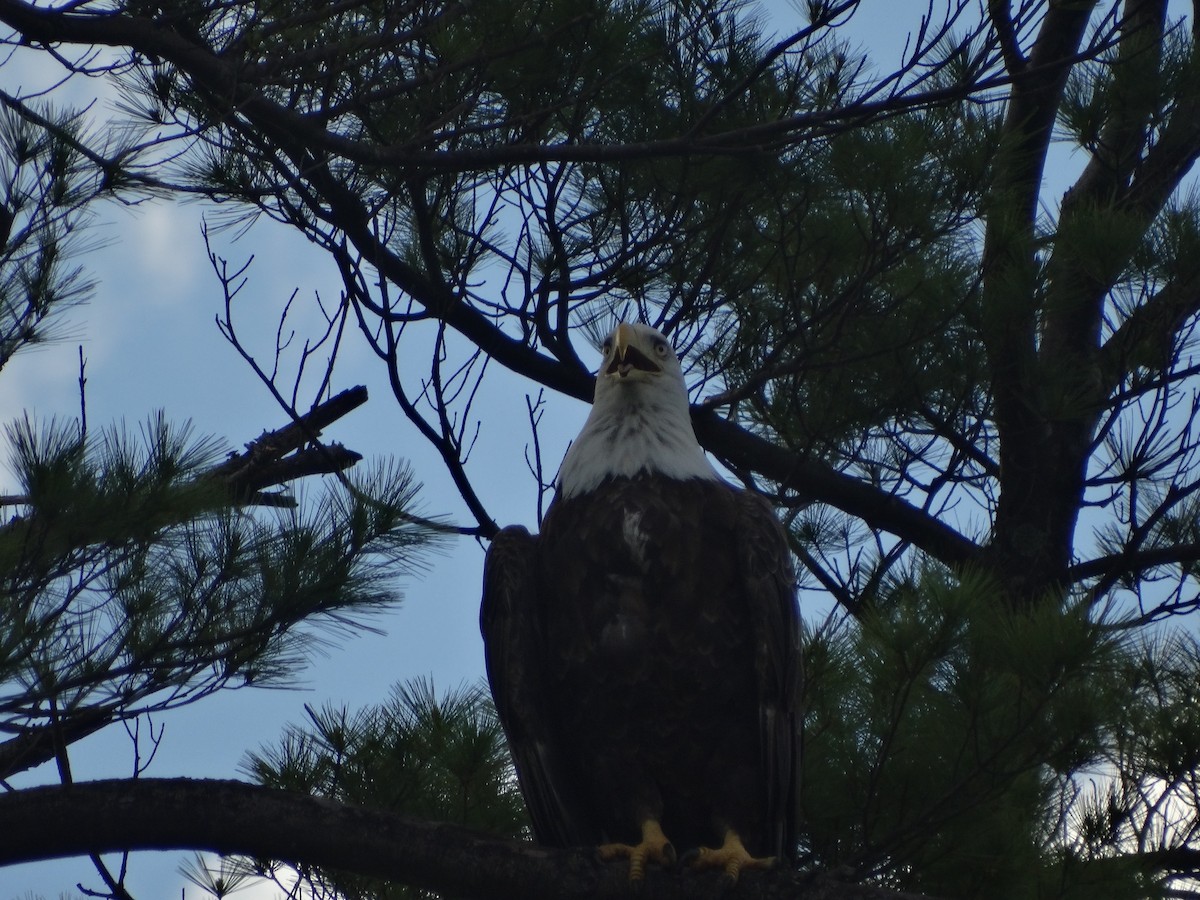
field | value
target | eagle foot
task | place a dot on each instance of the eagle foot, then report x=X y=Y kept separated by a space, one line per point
x=732 y=858
x=654 y=847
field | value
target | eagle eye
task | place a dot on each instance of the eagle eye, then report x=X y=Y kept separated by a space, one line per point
x=606 y=347
x=660 y=347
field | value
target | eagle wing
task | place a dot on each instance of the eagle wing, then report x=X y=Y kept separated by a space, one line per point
x=510 y=620
x=770 y=590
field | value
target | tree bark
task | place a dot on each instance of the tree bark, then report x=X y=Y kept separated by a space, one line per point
x=231 y=817
x=1043 y=452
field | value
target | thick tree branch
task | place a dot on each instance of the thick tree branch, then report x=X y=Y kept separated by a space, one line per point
x=1146 y=339
x=817 y=481
x=231 y=817
x=1135 y=561
x=1074 y=307
x=1134 y=183
x=1169 y=159
x=1124 y=137
x=1041 y=460
x=36 y=745
x=1000 y=12
x=225 y=79
x=1009 y=243
x=267 y=462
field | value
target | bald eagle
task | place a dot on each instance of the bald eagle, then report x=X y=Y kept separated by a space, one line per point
x=643 y=649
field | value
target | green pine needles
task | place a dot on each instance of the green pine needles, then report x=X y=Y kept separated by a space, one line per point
x=443 y=759
x=959 y=748
x=130 y=582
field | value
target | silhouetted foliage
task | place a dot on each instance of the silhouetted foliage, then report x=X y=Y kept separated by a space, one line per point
x=939 y=304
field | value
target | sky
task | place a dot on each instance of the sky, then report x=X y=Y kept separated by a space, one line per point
x=150 y=343
x=155 y=349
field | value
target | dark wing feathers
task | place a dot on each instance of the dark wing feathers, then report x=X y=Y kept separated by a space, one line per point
x=771 y=592
x=511 y=618
x=513 y=650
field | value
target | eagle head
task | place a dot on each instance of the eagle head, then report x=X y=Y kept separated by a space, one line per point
x=640 y=421
x=640 y=375
x=635 y=353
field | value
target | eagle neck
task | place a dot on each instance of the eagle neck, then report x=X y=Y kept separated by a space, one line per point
x=632 y=430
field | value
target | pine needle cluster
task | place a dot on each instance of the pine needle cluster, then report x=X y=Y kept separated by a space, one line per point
x=957 y=747
x=439 y=758
x=132 y=582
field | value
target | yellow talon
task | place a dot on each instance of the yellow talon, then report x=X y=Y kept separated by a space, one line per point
x=731 y=858
x=654 y=847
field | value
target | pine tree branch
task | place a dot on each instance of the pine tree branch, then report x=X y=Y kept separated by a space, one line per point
x=1169 y=159
x=726 y=439
x=1075 y=306
x=267 y=463
x=33 y=746
x=1000 y=13
x=1124 y=136
x=1041 y=479
x=1129 y=183
x=815 y=480
x=1146 y=339
x=306 y=142
x=230 y=817
x=274 y=444
x=224 y=78
x=1135 y=561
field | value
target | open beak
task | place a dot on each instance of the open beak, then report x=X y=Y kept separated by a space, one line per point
x=628 y=358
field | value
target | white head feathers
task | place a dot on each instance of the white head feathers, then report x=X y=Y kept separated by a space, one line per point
x=639 y=420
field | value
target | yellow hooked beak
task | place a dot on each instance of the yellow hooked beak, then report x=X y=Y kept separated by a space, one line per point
x=629 y=358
